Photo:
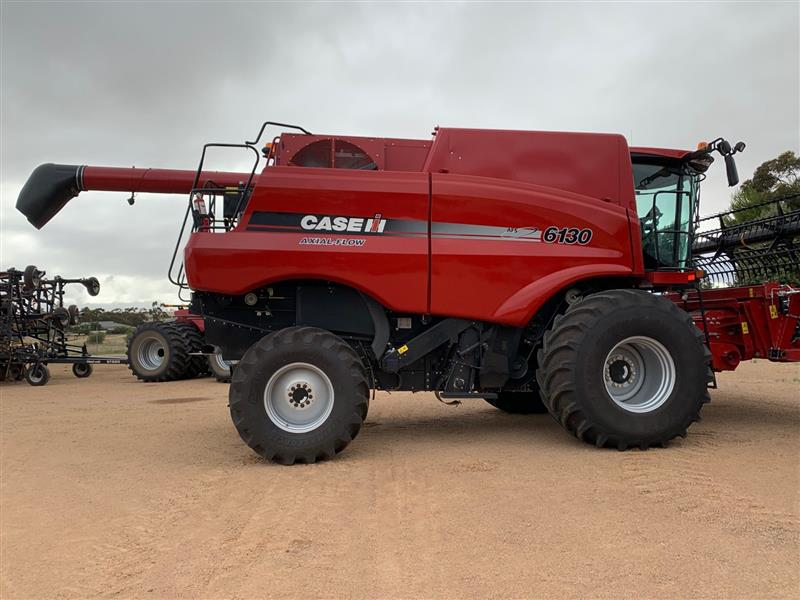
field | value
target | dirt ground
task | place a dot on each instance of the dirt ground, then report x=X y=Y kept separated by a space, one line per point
x=115 y=488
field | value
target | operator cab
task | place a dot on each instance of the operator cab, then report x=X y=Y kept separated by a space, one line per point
x=667 y=188
x=667 y=193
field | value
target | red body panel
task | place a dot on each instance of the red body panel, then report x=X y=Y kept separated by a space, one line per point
x=391 y=269
x=597 y=165
x=484 y=198
x=506 y=277
x=185 y=316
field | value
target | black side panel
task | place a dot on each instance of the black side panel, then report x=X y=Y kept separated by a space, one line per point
x=335 y=308
x=501 y=348
x=46 y=192
x=232 y=340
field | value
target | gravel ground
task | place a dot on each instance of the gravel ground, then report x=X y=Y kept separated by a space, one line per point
x=115 y=488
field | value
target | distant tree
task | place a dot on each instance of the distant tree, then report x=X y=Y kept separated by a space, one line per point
x=773 y=179
x=157 y=313
x=131 y=316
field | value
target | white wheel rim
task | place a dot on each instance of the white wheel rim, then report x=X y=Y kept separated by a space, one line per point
x=151 y=353
x=224 y=365
x=298 y=397
x=639 y=374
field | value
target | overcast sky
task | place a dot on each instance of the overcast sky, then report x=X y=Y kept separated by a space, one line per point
x=146 y=84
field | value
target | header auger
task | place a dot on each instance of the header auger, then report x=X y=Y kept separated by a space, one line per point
x=539 y=271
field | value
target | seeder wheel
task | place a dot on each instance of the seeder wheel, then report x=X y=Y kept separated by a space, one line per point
x=82 y=370
x=61 y=316
x=16 y=372
x=92 y=286
x=31 y=277
x=37 y=374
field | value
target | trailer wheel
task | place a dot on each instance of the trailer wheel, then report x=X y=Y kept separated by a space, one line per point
x=299 y=395
x=220 y=368
x=624 y=368
x=519 y=403
x=82 y=370
x=37 y=374
x=157 y=352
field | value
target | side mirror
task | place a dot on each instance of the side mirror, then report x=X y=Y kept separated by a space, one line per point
x=739 y=147
x=730 y=167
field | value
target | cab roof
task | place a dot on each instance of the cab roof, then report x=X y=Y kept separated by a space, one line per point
x=664 y=152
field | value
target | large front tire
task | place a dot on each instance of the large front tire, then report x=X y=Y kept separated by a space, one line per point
x=299 y=395
x=624 y=368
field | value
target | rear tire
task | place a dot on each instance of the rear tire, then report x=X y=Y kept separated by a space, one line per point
x=299 y=395
x=37 y=375
x=193 y=341
x=624 y=368
x=157 y=352
x=519 y=403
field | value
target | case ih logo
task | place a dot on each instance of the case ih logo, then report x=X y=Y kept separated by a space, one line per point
x=343 y=224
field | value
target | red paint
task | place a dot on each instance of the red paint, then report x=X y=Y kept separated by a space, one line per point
x=184 y=316
x=393 y=270
x=768 y=330
x=597 y=165
x=507 y=281
x=161 y=181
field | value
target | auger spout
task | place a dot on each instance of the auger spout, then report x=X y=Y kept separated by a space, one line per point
x=51 y=186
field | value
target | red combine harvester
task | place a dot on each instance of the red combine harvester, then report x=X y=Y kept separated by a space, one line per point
x=538 y=271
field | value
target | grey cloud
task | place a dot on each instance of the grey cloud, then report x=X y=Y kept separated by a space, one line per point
x=149 y=83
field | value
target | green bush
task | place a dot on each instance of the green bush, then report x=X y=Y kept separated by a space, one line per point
x=122 y=329
x=96 y=337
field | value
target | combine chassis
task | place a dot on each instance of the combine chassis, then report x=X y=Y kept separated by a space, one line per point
x=538 y=271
